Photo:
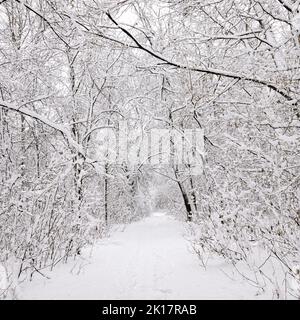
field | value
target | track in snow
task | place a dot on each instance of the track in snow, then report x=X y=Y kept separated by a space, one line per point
x=150 y=259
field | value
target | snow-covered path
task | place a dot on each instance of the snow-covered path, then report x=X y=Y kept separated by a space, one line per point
x=150 y=259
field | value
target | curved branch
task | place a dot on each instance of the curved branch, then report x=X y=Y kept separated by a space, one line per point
x=58 y=127
x=212 y=71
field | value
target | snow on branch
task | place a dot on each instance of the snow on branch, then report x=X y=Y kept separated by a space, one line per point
x=286 y=5
x=58 y=127
x=213 y=71
x=62 y=129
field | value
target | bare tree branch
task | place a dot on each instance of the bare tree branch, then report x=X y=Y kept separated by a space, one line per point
x=286 y=6
x=212 y=71
x=44 y=19
x=58 y=127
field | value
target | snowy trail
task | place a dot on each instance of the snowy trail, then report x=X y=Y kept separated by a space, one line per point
x=150 y=259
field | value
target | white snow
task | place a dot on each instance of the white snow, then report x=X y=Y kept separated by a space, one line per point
x=296 y=281
x=3 y=279
x=149 y=259
x=296 y=22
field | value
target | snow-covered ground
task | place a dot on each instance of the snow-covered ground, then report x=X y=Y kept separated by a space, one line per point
x=149 y=259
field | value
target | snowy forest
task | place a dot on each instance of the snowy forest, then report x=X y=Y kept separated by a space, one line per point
x=70 y=69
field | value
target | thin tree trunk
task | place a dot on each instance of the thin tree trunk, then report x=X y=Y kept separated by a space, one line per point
x=184 y=194
x=106 y=195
